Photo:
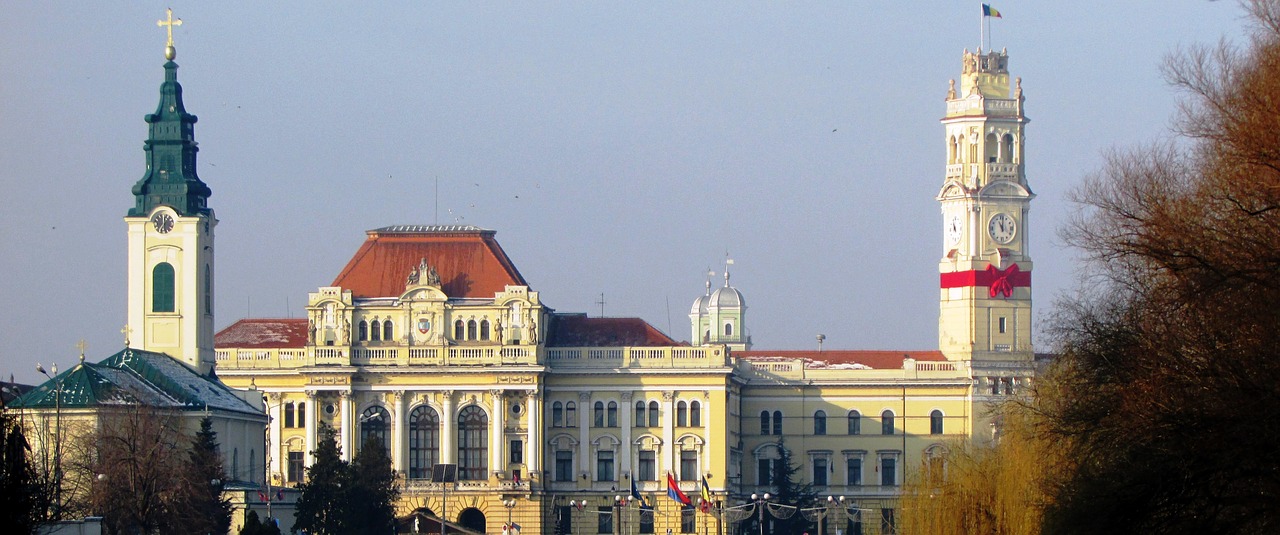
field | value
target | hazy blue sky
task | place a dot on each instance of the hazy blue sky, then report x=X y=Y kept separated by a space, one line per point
x=617 y=148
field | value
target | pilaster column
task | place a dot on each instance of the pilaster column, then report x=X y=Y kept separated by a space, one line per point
x=313 y=421
x=625 y=421
x=347 y=415
x=399 y=440
x=448 y=429
x=533 y=459
x=704 y=456
x=584 y=431
x=499 y=436
x=668 y=431
x=273 y=431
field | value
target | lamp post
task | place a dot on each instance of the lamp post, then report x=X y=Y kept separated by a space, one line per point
x=619 y=503
x=761 y=502
x=57 y=437
x=509 y=504
x=825 y=516
x=576 y=505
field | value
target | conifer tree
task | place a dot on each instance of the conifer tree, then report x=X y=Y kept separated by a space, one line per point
x=18 y=487
x=791 y=491
x=372 y=491
x=321 y=509
x=201 y=506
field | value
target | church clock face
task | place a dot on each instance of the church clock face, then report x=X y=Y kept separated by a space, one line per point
x=162 y=222
x=953 y=227
x=1002 y=228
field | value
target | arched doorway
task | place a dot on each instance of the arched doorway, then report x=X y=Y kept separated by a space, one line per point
x=472 y=519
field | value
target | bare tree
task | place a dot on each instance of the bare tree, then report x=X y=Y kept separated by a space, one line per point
x=138 y=468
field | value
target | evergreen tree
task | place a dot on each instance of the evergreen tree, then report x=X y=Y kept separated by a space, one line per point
x=790 y=491
x=321 y=509
x=372 y=492
x=18 y=487
x=201 y=507
x=252 y=525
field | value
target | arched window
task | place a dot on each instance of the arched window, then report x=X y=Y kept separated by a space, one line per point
x=855 y=423
x=386 y=330
x=571 y=414
x=1006 y=148
x=728 y=329
x=302 y=414
x=362 y=331
x=886 y=422
x=376 y=335
x=951 y=150
x=484 y=329
x=288 y=414
x=597 y=414
x=695 y=414
x=253 y=470
x=459 y=332
x=471 y=329
x=653 y=414
x=820 y=423
x=424 y=441
x=235 y=463
x=473 y=444
x=777 y=422
x=374 y=424
x=613 y=414
x=640 y=413
x=764 y=422
x=557 y=414
x=208 y=290
x=935 y=422
x=162 y=289
x=682 y=414
x=992 y=148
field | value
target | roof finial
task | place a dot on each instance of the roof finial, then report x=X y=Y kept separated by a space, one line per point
x=727 y=262
x=169 y=51
x=81 y=345
x=710 y=273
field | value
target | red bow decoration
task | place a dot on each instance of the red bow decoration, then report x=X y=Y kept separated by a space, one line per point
x=1000 y=280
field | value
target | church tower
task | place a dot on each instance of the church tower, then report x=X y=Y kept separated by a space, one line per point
x=171 y=237
x=717 y=316
x=986 y=265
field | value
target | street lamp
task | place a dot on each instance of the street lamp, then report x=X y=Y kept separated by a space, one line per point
x=825 y=516
x=509 y=504
x=577 y=505
x=760 y=505
x=619 y=503
x=57 y=437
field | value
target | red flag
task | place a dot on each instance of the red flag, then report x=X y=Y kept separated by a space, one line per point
x=673 y=491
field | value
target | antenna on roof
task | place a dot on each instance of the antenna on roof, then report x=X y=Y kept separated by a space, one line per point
x=821 y=338
x=437 y=198
x=601 y=303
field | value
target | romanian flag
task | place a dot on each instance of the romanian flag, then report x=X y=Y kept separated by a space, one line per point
x=706 y=496
x=988 y=11
x=673 y=491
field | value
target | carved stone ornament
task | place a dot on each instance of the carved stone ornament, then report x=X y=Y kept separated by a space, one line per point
x=423 y=274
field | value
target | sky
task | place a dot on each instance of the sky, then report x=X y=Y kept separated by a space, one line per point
x=617 y=148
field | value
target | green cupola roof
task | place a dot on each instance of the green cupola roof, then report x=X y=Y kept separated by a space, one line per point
x=171 y=149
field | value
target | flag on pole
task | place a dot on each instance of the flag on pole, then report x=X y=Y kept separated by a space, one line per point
x=635 y=493
x=706 y=496
x=673 y=491
x=988 y=11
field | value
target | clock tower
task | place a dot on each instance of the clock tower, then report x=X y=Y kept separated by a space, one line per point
x=985 y=315
x=170 y=230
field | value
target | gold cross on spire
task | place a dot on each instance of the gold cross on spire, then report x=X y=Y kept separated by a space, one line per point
x=81 y=345
x=169 y=52
x=126 y=331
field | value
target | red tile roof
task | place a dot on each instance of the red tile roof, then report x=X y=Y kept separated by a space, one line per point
x=285 y=333
x=883 y=360
x=470 y=262
x=577 y=330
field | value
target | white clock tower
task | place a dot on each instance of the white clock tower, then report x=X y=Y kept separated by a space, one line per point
x=171 y=239
x=986 y=265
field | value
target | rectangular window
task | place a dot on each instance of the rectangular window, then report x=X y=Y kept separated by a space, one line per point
x=820 y=471
x=302 y=415
x=648 y=469
x=564 y=520
x=1003 y=325
x=517 y=451
x=646 y=520
x=854 y=527
x=764 y=471
x=887 y=524
x=853 y=473
x=688 y=520
x=604 y=466
x=888 y=471
x=295 y=466
x=688 y=465
x=604 y=519
x=564 y=465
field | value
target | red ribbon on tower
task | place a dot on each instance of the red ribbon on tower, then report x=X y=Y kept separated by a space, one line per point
x=999 y=282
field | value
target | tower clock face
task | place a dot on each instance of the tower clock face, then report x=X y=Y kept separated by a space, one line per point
x=953 y=227
x=1002 y=228
x=162 y=222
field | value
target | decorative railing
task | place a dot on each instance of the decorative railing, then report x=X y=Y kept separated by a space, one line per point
x=637 y=357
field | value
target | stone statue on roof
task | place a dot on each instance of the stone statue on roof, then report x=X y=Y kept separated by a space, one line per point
x=423 y=274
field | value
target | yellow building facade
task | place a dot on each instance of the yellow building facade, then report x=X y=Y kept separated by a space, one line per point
x=430 y=342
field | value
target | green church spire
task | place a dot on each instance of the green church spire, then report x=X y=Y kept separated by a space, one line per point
x=171 y=155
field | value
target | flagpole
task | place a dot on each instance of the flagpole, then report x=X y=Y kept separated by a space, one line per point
x=982 y=35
